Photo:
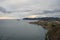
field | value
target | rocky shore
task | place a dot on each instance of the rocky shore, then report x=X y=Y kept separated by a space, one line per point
x=53 y=28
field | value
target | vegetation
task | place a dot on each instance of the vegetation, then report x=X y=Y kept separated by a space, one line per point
x=53 y=29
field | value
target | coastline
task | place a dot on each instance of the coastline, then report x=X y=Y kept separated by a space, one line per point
x=53 y=28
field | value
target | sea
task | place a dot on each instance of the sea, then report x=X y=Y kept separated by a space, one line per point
x=13 y=29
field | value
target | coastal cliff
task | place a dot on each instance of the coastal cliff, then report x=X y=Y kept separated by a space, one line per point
x=53 y=28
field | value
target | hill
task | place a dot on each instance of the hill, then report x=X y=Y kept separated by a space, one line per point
x=43 y=18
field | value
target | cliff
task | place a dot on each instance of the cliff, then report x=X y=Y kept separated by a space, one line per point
x=53 y=28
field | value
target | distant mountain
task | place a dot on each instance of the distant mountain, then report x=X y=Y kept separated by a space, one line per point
x=43 y=18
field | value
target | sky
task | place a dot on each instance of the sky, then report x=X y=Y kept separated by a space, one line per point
x=30 y=8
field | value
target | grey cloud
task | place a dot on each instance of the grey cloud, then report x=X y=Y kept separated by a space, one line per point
x=32 y=7
x=46 y=11
x=2 y=9
x=54 y=11
x=57 y=10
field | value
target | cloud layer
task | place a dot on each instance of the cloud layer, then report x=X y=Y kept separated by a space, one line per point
x=22 y=8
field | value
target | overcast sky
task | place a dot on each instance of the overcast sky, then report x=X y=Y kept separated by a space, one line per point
x=22 y=8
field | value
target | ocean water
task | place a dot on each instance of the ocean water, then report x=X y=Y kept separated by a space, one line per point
x=20 y=30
